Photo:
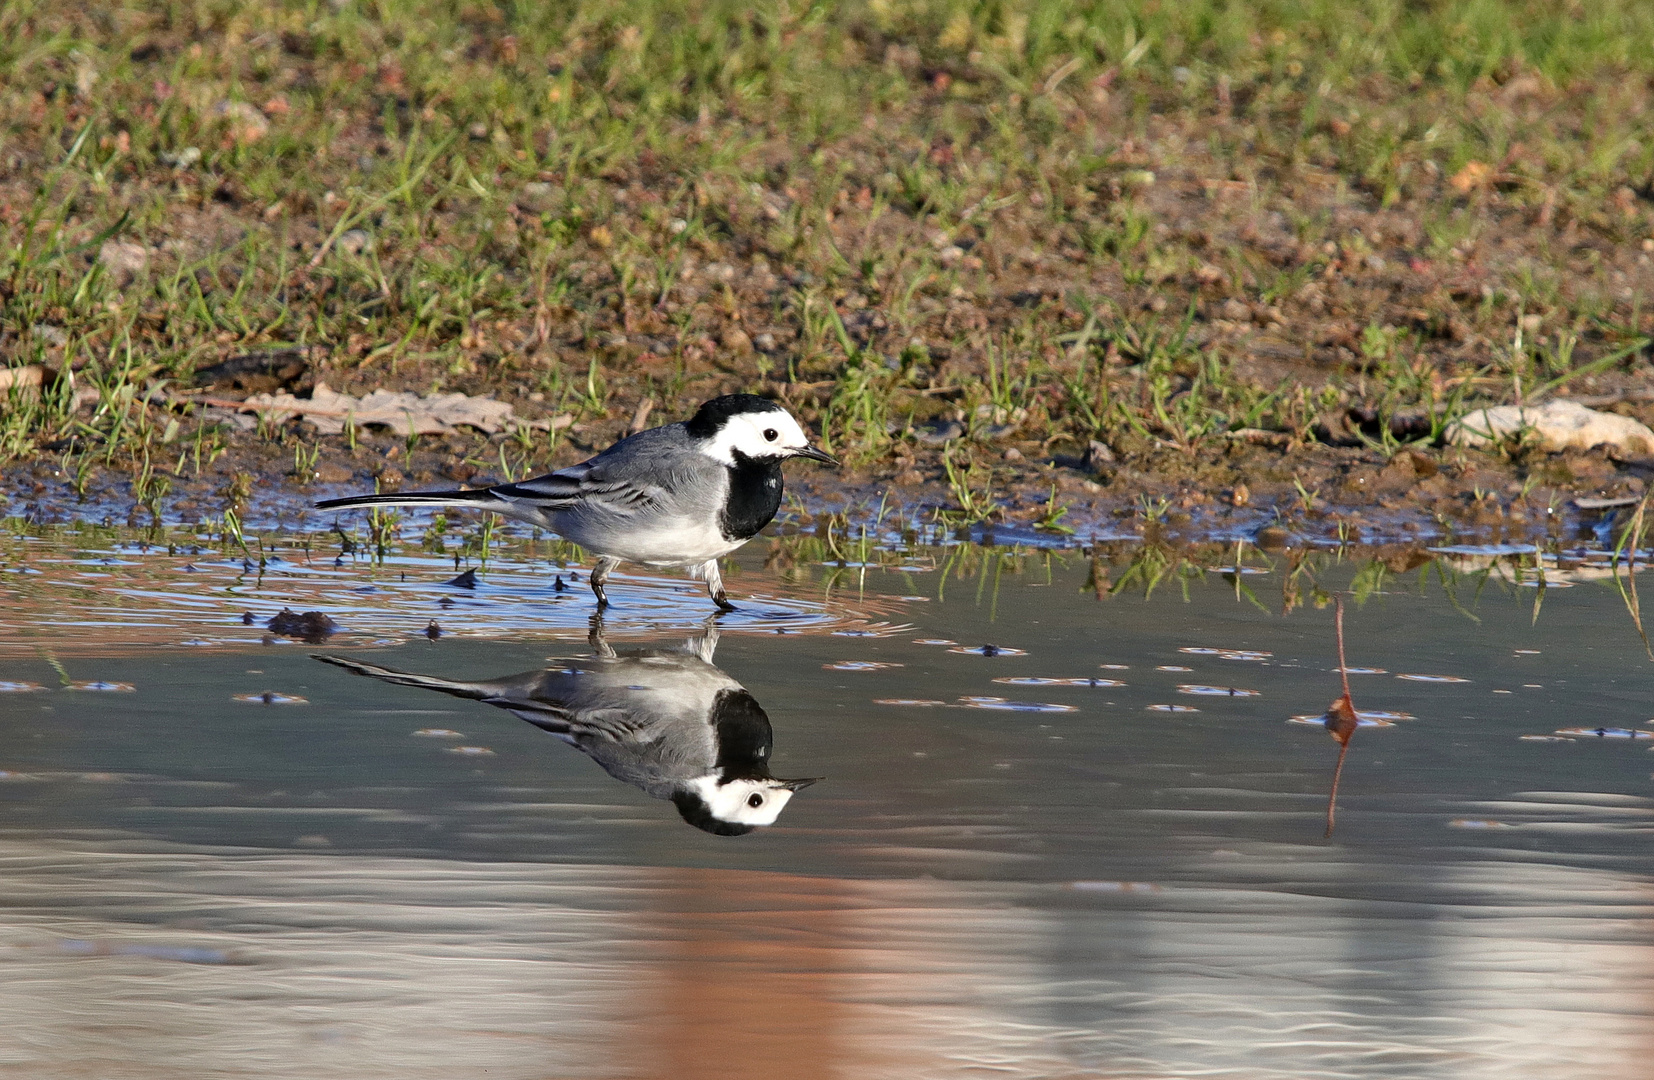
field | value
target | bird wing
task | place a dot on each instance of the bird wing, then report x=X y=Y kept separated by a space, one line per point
x=623 y=479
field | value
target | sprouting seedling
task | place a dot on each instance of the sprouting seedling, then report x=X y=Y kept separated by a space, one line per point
x=1340 y=719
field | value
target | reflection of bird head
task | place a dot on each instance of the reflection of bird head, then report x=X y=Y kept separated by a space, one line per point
x=735 y=807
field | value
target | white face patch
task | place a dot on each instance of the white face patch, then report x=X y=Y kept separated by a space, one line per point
x=733 y=801
x=772 y=433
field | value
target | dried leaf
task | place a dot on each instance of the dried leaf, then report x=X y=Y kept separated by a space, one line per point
x=404 y=413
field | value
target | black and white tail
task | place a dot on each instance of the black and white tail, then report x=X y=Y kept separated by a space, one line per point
x=479 y=498
x=475 y=691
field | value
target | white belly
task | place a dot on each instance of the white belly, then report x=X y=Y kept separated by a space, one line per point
x=666 y=542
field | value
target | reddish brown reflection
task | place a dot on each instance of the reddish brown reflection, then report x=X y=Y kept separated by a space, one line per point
x=745 y=979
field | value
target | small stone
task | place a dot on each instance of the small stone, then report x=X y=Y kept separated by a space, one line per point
x=1240 y=495
x=355 y=242
x=1012 y=454
x=331 y=472
x=1234 y=309
x=539 y=196
x=247 y=122
x=478 y=131
x=1272 y=538
x=1098 y=456
x=764 y=342
x=124 y=260
x=735 y=340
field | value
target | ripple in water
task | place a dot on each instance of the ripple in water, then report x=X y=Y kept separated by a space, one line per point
x=1215 y=691
x=1002 y=705
x=1606 y=732
x=1040 y=680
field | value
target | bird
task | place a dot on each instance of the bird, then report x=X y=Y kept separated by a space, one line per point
x=661 y=718
x=680 y=495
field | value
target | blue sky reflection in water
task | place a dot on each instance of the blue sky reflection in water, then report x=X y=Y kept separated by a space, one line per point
x=199 y=883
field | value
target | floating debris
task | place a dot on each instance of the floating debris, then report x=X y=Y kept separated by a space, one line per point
x=438 y=733
x=1366 y=671
x=1114 y=667
x=1544 y=738
x=990 y=650
x=1244 y=654
x=467 y=580
x=855 y=633
x=1002 y=705
x=101 y=687
x=1478 y=823
x=270 y=698
x=559 y=585
x=1215 y=691
x=1116 y=886
x=1606 y=732
x=934 y=641
x=10 y=687
x=1201 y=650
x=1433 y=678
x=1042 y=680
x=860 y=665
x=433 y=631
x=311 y=627
x=1237 y=570
x=247 y=618
x=1527 y=652
x=1172 y=708
x=1172 y=667
x=923 y=703
x=471 y=751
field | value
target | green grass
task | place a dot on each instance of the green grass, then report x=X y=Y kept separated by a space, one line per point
x=1083 y=216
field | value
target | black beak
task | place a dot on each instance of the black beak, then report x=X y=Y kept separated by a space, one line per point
x=794 y=785
x=816 y=455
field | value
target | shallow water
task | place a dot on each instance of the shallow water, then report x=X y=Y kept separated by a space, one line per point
x=1049 y=842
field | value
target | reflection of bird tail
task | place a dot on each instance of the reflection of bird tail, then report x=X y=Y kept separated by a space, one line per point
x=476 y=691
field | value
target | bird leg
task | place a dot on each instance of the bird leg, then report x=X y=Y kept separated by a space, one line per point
x=600 y=575
x=714 y=584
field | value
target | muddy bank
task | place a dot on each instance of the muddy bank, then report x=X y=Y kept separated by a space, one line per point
x=1267 y=495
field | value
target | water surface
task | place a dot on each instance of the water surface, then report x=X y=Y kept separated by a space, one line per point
x=1048 y=842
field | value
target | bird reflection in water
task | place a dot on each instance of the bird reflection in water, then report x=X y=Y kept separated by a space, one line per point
x=664 y=719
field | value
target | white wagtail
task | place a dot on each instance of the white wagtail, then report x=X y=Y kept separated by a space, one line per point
x=662 y=719
x=684 y=494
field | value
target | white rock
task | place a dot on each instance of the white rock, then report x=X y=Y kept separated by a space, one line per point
x=247 y=122
x=123 y=260
x=1554 y=425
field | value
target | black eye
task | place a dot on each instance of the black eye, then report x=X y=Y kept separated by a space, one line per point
x=770 y=434
x=755 y=800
